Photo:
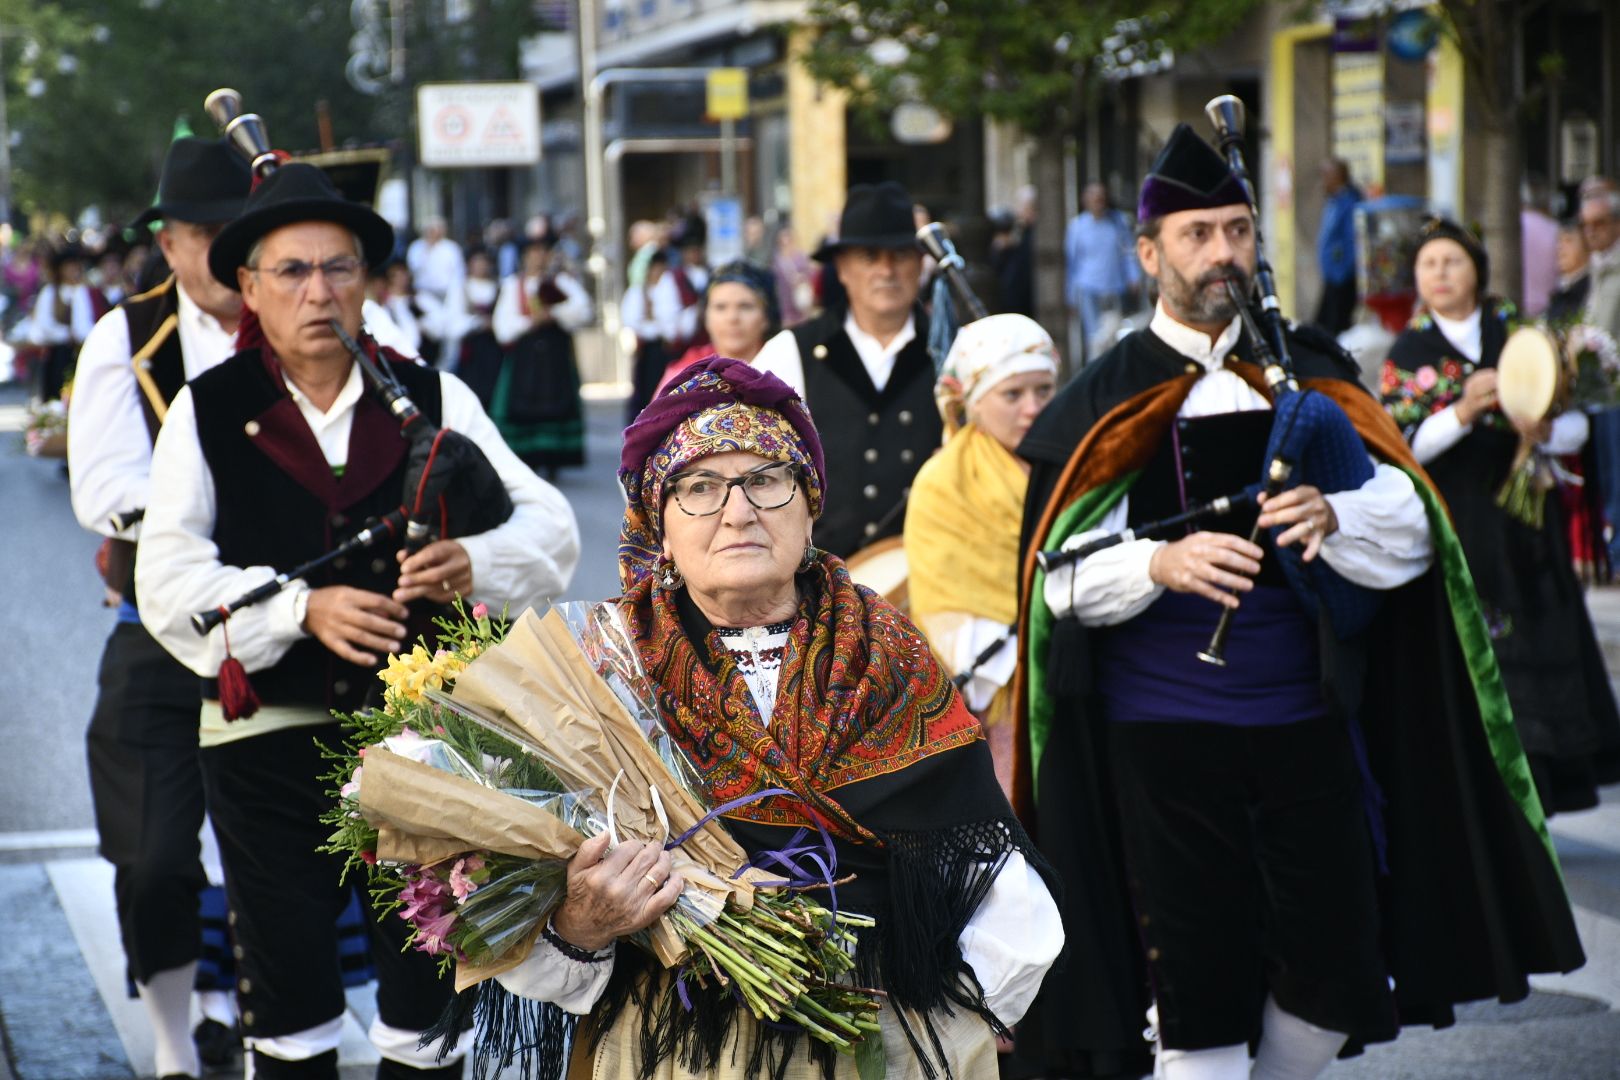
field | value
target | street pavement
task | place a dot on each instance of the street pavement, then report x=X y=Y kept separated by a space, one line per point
x=63 y=1011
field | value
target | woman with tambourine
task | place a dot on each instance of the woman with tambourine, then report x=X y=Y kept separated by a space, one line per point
x=1441 y=385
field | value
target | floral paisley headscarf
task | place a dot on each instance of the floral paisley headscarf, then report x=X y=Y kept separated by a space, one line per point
x=719 y=405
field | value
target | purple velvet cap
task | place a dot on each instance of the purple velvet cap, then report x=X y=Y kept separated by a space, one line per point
x=1188 y=174
x=704 y=385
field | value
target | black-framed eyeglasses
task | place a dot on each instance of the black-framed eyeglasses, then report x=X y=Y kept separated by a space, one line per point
x=294 y=274
x=702 y=494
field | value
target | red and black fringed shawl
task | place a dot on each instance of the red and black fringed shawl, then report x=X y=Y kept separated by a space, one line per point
x=878 y=748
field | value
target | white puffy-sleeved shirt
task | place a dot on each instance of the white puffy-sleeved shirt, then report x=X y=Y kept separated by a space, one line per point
x=509 y=321
x=526 y=561
x=1382 y=540
x=44 y=328
x=1010 y=942
x=108 y=444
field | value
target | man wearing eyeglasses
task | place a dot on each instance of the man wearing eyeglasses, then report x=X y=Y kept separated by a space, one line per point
x=142 y=740
x=266 y=462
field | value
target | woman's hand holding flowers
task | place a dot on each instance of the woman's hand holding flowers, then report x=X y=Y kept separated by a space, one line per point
x=615 y=892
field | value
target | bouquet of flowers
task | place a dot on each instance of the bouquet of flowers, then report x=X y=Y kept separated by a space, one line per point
x=1596 y=359
x=496 y=756
x=45 y=430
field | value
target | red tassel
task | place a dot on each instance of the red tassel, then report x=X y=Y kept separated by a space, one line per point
x=236 y=697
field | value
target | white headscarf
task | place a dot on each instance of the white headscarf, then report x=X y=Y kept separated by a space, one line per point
x=984 y=354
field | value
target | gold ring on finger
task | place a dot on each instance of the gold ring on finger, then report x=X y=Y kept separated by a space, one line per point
x=654 y=882
x=446 y=586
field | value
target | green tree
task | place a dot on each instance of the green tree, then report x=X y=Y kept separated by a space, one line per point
x=94 y=87
x=1486 y=34
x=1032 y=63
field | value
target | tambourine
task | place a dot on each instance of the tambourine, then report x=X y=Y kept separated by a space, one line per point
x=1533 y=375
x=882 y=567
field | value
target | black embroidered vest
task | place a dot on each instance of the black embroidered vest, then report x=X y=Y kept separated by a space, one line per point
x=874 y=441
x=154 y=347
x=278 y=504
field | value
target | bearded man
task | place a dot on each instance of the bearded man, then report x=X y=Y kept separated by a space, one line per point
x=1279 y=850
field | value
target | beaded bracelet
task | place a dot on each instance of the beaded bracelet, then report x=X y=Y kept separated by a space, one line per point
x=572 y=951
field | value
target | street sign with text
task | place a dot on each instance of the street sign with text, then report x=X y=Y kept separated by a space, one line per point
x=474 y=125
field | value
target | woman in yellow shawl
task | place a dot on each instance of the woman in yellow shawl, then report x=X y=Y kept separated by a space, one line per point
x=966 y=507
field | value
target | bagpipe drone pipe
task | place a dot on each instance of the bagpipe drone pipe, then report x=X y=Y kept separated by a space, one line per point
x=1312 y=439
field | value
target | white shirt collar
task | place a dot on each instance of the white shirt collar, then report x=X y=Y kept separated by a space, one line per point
x=1463 y=333
x=867 y=344
x=1195 y=344
x=345 y=401
x=878 y=359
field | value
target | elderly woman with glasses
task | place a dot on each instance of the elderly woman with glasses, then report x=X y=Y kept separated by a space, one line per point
x=777 y=673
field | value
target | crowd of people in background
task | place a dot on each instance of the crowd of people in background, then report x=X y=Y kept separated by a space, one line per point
x=966 y=460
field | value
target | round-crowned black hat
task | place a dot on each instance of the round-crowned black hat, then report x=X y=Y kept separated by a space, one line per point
x=875 y=216
x=293 y=193
x=203 y=181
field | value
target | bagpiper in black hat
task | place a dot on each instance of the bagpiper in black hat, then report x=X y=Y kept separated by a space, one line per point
x=1188 y=174
x=204 y=181
x=875 y=216
x=296 y=192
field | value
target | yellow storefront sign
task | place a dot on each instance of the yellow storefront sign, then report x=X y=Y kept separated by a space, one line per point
x=728 y=94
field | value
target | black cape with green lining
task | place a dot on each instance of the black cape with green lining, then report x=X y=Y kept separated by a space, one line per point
x=1473 y=902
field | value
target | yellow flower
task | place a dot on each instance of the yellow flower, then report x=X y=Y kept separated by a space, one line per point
x=408 y=675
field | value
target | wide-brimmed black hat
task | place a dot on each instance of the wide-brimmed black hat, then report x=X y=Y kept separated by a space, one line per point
x=204 y=181
x=293 y=193
x=875 y=216
x=1188 y=174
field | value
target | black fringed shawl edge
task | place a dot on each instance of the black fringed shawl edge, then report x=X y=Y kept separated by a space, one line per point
x=937 y=879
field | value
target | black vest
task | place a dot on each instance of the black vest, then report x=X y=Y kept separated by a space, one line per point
x=277 y=504
x=154 y=347
x=874 y=441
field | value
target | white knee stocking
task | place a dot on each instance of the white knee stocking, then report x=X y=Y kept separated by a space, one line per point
x=167 y=997
x=1293 y=1049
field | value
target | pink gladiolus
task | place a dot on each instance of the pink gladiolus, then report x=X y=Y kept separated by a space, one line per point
x=423 y=897
x=461 y=885
x=480 y=610
x=432 y=935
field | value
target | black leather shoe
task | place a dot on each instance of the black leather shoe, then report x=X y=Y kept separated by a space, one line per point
x=217 y=1045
